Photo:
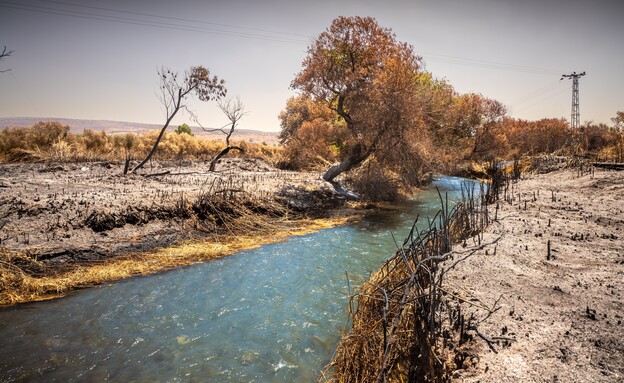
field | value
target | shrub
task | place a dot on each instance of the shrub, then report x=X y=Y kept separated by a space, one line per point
x=184 y=129
x=374 y=183
x=40 y=136
x=312 y=146
x=594 y=138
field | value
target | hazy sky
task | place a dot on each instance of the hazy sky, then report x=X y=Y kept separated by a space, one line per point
x=98 y=60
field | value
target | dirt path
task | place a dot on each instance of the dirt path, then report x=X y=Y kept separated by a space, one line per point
x=556 y=319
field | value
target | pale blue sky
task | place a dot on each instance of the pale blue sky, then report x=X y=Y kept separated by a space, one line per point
x=76 y=62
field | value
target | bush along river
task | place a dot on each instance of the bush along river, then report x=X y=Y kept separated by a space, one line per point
x=272 y=314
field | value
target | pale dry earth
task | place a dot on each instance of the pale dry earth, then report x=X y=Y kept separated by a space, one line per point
x=556 y=319
x=71 y=211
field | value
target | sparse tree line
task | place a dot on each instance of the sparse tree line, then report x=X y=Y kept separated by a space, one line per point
x=367 y=113
x=50 y=140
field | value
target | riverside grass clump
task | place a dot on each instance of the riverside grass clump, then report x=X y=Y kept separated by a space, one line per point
x=25 y=279
x=407 y=327
x=53 y=141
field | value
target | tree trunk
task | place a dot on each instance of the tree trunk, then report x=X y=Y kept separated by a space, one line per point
x=213 y=162
x=335 y=170
x=151 y=153
x=349 y=195
x=356 y=157
x=126 y=165
x=176 y=108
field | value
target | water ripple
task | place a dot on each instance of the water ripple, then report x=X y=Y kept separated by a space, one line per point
x=273 y=314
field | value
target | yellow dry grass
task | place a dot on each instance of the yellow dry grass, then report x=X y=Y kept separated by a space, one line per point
x=31 y=281
x=52 y=141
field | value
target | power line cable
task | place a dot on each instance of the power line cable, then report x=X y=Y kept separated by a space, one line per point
x=541 y=101
x=124 y=20
x=538 y=93
x=176 y=18
x=233 y=33
x=487 y=64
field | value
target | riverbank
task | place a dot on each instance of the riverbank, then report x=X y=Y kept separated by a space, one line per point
x=552 y=284
x=66 y=226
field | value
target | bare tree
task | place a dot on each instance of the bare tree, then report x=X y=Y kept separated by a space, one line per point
x=234 y=110
x=5 y=53
x=174 y=93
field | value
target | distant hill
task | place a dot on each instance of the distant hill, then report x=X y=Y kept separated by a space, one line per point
x=120 y=127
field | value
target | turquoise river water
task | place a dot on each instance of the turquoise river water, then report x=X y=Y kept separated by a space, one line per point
x=272 y=314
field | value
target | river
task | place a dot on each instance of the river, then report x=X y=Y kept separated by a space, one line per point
x=273 y=314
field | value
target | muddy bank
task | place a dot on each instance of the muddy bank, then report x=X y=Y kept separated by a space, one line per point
x=55 y=218
x=547 y=298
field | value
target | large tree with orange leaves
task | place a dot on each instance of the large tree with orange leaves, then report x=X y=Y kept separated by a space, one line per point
x=369 y=79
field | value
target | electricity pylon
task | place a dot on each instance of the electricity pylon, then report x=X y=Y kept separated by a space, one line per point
x=576 y=114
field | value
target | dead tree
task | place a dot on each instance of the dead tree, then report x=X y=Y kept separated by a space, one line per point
x=234 y=110
x=174 y=94
x=5 y=53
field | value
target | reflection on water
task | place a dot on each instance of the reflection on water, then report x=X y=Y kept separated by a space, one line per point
x=273 y=314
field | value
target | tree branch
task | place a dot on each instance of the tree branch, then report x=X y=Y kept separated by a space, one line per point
x=234 y=111
x=173 y=94
x=3 y=55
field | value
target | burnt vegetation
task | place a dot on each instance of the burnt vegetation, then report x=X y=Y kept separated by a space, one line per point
x=60 y=219
x=369 y=120
x=406 y=325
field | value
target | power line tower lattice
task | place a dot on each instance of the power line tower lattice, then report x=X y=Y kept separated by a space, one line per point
x=575 y=119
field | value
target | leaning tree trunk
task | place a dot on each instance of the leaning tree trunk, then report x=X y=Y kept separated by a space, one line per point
x=213 y=162
x=335 y=170
x=162 y=131
x=151 y=153
x=356 y=157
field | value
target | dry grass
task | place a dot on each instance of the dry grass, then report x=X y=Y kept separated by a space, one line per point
x=52 y=141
